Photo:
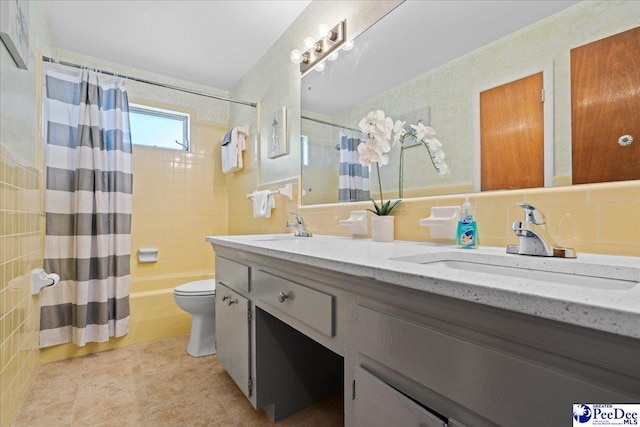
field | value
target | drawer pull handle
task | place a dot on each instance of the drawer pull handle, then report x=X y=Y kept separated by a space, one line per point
x=232 y=301
x=282 y=297
x=226 y=297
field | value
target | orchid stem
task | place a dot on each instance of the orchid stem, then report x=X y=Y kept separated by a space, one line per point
x=430 y=155
x=400 y=192
x=379 y=183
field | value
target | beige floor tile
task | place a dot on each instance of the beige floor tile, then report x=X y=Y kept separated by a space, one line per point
x=45 y=413
x=136 y=419
x=102 y=404
x=176 y=383
x=151 y=385
x=193 y=409
x=68 y=369
x=327 y=413
x=57 y=390
x=300 y=419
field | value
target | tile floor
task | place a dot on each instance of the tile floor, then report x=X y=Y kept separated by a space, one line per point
x=151 y=384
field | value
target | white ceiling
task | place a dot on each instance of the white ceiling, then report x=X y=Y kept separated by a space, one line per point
x=215 y=42
x=209 y=42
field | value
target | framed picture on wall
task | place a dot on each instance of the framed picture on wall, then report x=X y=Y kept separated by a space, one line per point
x=278 y=133
x=14 y=29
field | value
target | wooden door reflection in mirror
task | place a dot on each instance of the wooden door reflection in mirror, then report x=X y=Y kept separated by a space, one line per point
x=605 y=106
x=512 y=135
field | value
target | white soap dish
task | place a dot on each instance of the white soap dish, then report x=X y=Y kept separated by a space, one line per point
x=442 y=222
x=357 y=223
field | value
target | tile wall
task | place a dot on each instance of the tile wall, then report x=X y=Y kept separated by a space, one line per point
x=595 y=218
x=179 y=198
x=21 y=248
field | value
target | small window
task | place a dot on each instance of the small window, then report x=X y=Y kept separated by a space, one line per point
x=155 y=127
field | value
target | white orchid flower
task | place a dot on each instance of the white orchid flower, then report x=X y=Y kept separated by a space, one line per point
x=399 y=131
x=433 y=143
x=423 y=132
x=364 y=154
x=383 y=159
x=443 y=169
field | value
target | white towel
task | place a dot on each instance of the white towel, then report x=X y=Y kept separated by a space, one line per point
x=263 y=202
x=232 y=150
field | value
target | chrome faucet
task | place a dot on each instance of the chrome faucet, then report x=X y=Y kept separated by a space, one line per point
x=299 y=226
x=534 y=237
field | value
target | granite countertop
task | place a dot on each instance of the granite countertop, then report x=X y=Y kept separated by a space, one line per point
x=574 y=291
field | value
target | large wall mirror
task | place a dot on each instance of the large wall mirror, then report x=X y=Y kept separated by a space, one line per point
x=430 y=62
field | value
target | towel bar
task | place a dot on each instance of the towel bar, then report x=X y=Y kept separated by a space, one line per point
x=287 y=191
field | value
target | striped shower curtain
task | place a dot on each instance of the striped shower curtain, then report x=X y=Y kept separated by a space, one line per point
x=353 y=178
x=88 y=207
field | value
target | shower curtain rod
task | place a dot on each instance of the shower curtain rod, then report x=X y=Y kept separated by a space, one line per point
x=181 y=89
x=328 y=123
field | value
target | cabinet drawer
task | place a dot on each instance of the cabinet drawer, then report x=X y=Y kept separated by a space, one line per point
x=310 y=306
x=232 y=274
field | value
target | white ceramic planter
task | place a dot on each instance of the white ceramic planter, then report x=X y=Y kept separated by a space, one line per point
x=382 y=228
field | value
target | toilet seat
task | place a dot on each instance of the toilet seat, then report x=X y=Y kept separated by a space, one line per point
x=197 y=288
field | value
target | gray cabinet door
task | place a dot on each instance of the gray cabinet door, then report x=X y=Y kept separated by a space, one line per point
x=376 y=404
x=233 y=335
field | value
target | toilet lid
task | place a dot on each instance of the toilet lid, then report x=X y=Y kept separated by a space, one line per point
x=199 y=287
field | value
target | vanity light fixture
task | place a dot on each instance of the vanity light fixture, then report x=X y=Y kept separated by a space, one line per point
x=317 y=51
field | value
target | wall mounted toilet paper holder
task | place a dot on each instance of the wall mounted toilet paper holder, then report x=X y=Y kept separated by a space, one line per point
x=40 y=279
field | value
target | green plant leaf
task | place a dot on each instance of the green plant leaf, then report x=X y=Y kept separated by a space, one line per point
x=385 y=208
x=393 y=206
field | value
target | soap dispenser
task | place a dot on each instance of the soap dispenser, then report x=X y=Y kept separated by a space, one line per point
x=467 y=232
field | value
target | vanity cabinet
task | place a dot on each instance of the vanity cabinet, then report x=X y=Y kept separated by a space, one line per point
x=405 y=356
x=233 y=336
x=482 y=376
x=277 y=367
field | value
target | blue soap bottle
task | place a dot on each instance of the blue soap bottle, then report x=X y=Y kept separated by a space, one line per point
x=467 y=232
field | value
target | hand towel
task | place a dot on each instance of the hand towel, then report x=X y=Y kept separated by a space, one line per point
x=263 y=202
x=233 y=144
x=227 y=138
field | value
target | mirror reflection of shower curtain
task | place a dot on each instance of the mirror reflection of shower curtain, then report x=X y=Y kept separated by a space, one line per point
x=353 y=179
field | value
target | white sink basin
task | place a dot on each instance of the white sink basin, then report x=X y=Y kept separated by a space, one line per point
x=270 y=238
x=539 y=275
x=543 y=269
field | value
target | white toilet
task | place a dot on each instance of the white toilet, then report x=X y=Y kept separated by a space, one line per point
x=199 y=299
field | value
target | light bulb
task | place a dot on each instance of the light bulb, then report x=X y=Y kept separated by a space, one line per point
x=308 y=42
x=348 y=46
x=296 y=56
x=333 y=56
x=324 y=30
x=320 y=67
